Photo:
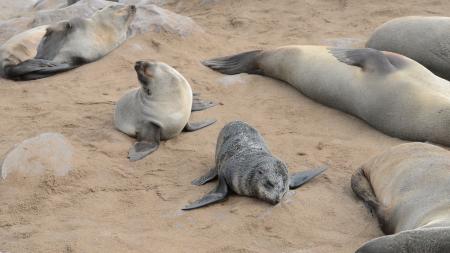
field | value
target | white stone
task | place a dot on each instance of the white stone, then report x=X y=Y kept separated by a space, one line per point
x=46 y=153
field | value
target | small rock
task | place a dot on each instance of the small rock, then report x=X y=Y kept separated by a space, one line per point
x=47 y=153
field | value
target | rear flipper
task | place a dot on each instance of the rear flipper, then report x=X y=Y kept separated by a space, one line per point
x=190 y=127
x=212 y=173
x=246 y=62
x=298 y=179
x=199 y=105
x=35 y=69
x=363 y=189
x=217 y=195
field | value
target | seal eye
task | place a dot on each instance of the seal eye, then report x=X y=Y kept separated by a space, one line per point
x=268 y=185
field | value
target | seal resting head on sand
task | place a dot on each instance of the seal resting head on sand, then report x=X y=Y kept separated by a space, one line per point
x=391 y=92
x=245 y=166
x=66 y=45
x=408 y=188
x=423 y=39
x=158 y=110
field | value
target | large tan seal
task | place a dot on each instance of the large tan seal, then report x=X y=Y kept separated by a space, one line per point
x=408 y=188
x=158 y=110
x=65 y=45
x=393 y=93
x=424 y=39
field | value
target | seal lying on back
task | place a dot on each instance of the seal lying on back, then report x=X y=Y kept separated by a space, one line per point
x=65 y=45
x=245 y=166
x=158 y=110
x=408 y=188
x=393 y=93
x=423 y=39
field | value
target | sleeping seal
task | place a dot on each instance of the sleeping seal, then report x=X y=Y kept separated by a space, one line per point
x=65 y=45
x=245 y=166
x=408 y=188
x=423 y=39
x=391 y=92
x=158 y=110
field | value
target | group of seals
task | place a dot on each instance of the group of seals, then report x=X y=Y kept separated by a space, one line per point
x=245 y=166
x=423 y=39
x=47 y=50
x=159 y=109
x=408 y=188
x=391 y=92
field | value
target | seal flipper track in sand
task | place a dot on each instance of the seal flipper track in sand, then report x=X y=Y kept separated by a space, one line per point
x=246 y=62
x=148 y=137
x=211 y=175
x=190 y=127
x=300 y=178
x=217 y=195
x=370 y=60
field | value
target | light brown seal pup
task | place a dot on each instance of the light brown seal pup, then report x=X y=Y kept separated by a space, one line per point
x=245 y=165
x=391 y=92
x=158 y=110
x=66 y=45
x=423 y=39
x=408 y=188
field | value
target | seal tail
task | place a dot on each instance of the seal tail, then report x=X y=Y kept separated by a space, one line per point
x=246 y=62
x=35 y=69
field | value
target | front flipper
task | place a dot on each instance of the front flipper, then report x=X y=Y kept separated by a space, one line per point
x=148 y=137
x=212 y=173
x=370 y=60
x=217 y=195
x=298 y=179
x=190 y=127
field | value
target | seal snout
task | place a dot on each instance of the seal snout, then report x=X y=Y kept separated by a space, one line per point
x=132 y=9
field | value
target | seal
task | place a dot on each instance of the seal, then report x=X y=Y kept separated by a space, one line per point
x=245 y=166
x=67 y=44
x=391 y=92
x=408 y=188
x=158 y=110
x=424 y=39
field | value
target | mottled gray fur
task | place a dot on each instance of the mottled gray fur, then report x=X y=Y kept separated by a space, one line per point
x=245 y=166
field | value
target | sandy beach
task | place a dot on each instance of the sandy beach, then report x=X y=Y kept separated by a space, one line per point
x=108 y=204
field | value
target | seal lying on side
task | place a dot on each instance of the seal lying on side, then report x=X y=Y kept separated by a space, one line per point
x=245 y=166
x=423 y=39
x=158 y=110
x=408 y=188
x=393 y=93
x=66 y=45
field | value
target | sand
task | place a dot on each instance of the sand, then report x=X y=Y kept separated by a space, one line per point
x=107 y=204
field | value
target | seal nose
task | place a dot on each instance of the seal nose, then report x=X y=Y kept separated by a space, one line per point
x=138 y=65
x=133 y=8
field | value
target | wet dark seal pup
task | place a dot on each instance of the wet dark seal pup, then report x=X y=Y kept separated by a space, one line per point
x=69 y=44
x=158 y=110
x=391 y=92
x=423 y=39
x=408 y=188
x=245 y=166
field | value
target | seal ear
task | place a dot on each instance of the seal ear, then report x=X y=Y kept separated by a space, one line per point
x=217 y=195
x=298 y=179
x=370 y=60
